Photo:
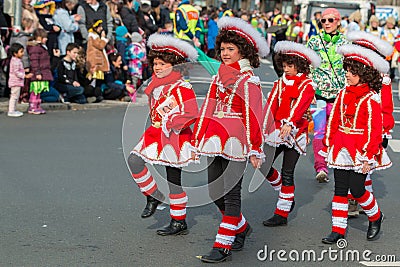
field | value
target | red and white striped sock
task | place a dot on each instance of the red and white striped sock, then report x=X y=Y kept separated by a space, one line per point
x=370 y=206
x=226 y=232
x=242 y=225
x=275 y=180
x=177 y=206
x=368 y=184
x=340 y=208
x=285 y=200
x=145 y=181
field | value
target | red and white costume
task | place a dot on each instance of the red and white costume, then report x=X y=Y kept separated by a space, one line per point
x=353 y=137
x=167 y=140
x=287 y=104
x=230 y=118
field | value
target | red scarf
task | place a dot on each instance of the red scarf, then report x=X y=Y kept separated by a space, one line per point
x=174 y=76
x=228 y=74
x=290 y=93
x=351 y=96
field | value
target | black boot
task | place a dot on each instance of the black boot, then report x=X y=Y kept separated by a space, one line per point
x=292 y=206
x=332 y=238
x=240 y=238
x=152 y=203
x=374 y=228
x=276 y=220
x=174 y=228
x=217 y=255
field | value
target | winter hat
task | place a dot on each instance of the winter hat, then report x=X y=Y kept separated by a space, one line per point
x=168 y=44
x=331 y=11
x=296 y=49
x=246 y=31
x=155 y=3
x=136 y=37
x=370 y=41
x=120 y=31
x=365 y=56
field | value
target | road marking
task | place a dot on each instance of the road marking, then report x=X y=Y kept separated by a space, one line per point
x=394 y=145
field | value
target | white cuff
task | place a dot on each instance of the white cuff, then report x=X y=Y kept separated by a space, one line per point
x=259 y=155
x=290 y=123
x=387 y=136
x=365 y=158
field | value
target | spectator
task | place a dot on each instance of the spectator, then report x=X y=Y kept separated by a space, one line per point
x=168 y=29
x=136 y=56
x=40 y=68
x=17 y=76
x=91 y=86
x=150 y=26
x=373 y=26
x=212 y=34
x=121 y=40
x=92 y=11
x=315 y=25
x=67 y=71
x=117 y=20
x=68 y=23
x=45 y=10
x=164 y=14
x=96 y=60
x=28 y=12
x=22 y=38
x=389 y=34
x=116 y=82
x=128 y=15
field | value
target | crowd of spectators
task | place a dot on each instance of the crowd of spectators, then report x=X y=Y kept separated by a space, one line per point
x=109 y=37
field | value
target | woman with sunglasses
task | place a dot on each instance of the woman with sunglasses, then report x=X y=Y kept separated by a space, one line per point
x=329 y=78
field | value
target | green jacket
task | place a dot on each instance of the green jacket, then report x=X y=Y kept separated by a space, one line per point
x=329 y=81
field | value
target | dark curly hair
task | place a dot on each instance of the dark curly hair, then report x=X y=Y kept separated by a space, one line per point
x=165 y=56
x=245 y=49
x=301 y=64
x=367 y=74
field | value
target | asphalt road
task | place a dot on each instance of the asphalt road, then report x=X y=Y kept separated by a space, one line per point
x=67 y=199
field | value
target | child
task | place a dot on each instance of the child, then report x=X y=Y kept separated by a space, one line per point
x=136 y=56
x=353 y=140
x=228 y=132
x=168 y=28
x=16 y=78
x=384 y=49
x=285 y=124
x=167 y=141
x=96 y=60
x=121 y=40
x=67 y=73
x=41 y=70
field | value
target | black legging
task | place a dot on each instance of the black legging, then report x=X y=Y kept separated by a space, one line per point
x=137 y=164
x=226 y=191
x=290 y=158
x=348 y=179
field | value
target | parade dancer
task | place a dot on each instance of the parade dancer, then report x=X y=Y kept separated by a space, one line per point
x=353 y=141
x=228 y=130
x=173 y=108
x=384 y=49
x=285 y=123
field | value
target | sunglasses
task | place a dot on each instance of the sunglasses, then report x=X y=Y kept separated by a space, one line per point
x=330 y=20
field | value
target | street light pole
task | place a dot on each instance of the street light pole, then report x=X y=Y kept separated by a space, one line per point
x=17 y=16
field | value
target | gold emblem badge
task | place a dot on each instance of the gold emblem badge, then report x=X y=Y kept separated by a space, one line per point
x=346 y=130
x=157 y=124
x=220 y=114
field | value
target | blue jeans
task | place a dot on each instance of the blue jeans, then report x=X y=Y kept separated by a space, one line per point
x=73 y=93
x=51 y=96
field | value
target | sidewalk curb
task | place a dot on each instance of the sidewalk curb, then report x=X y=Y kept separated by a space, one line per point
x=23 y=107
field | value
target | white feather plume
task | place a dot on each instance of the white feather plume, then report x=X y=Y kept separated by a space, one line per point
x=246 y=28
x=377 y=61
x=382 y=46
x=161 y=40
x=288 y=46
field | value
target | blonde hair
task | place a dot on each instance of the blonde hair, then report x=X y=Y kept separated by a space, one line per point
x=112 y=6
